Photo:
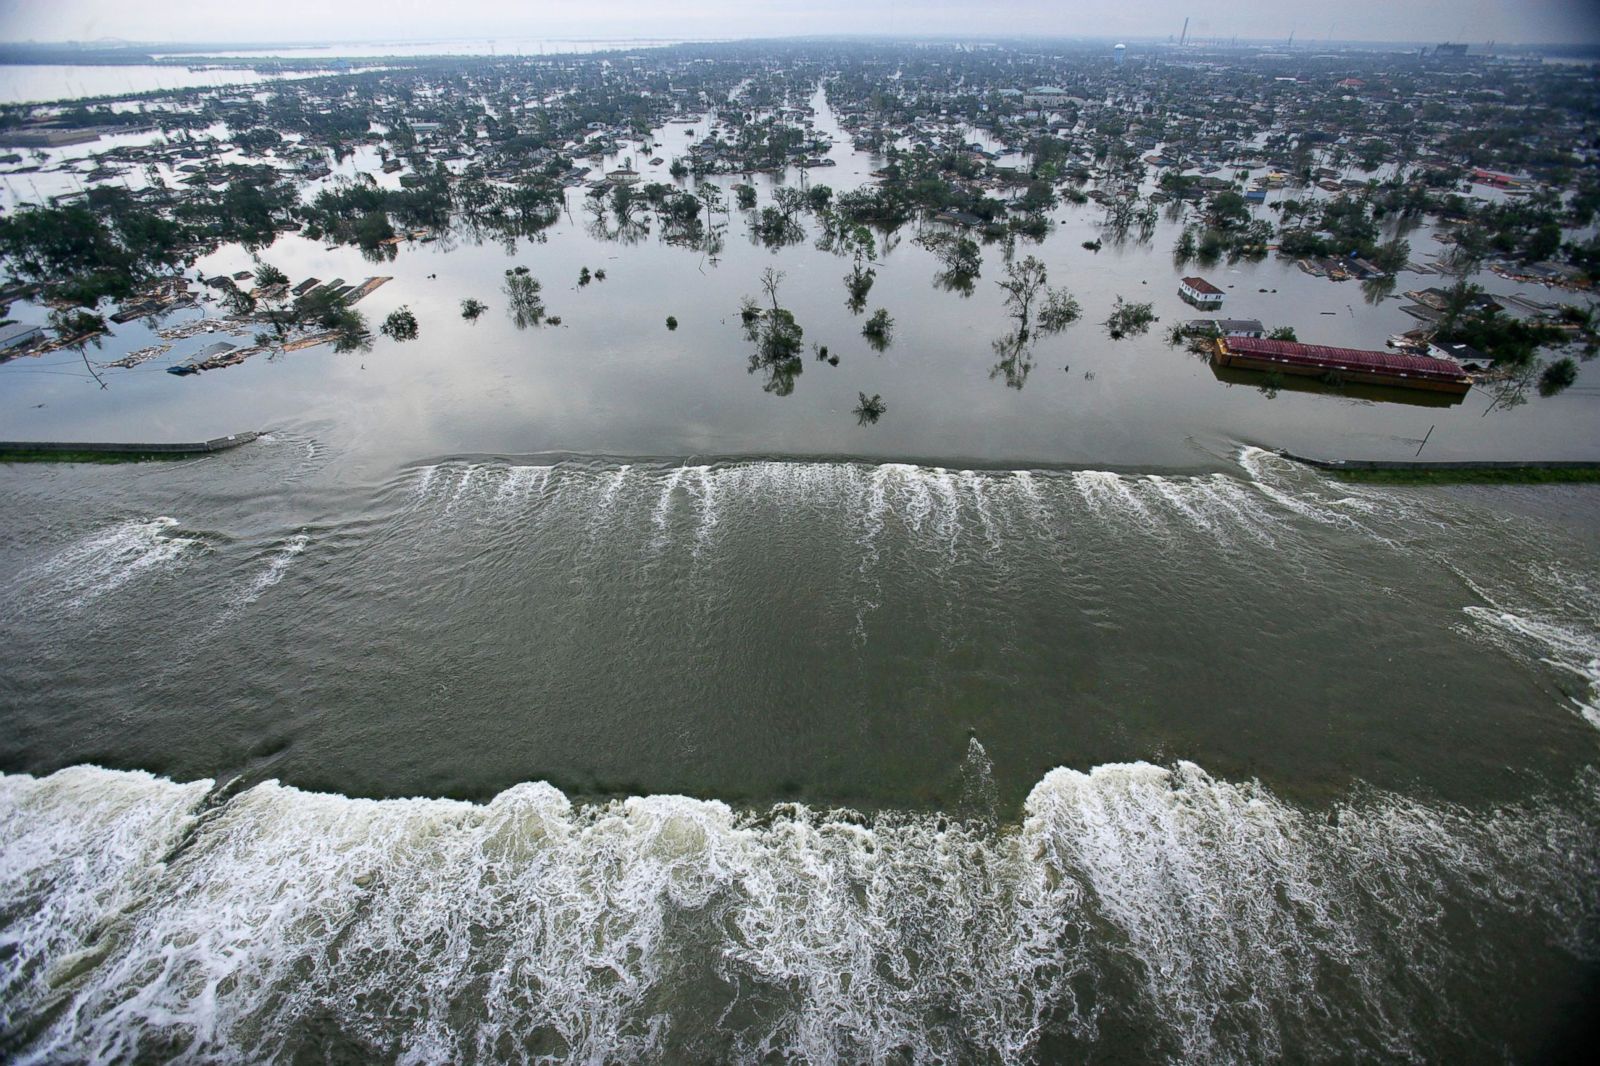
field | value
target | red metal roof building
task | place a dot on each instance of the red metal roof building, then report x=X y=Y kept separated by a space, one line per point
x=1349 y=364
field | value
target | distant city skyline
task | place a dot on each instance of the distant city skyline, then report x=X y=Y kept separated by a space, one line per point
x=305 y=21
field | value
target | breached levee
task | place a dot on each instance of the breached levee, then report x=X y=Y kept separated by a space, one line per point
x=1211 y=919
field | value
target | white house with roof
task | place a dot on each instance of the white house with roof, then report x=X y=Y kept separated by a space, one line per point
x=1200 y=292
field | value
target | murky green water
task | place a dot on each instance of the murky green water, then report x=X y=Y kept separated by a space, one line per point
x=1225 y=765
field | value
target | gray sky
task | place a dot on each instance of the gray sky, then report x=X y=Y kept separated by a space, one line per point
x=1473 y=21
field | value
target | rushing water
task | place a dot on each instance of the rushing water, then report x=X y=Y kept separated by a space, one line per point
x=1220 y=766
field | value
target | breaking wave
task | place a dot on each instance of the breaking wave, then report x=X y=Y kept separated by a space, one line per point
x=142 y=919
x=1558 y=625
x=107 y=560
x=276 y=567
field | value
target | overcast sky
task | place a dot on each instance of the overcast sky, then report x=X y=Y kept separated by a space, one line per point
x=1473 y=21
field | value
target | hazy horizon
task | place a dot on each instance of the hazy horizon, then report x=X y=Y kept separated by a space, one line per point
x=300 y=22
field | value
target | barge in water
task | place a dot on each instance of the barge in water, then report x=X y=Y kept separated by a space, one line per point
x=1343 y=364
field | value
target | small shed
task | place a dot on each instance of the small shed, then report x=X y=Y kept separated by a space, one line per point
x=16 y=334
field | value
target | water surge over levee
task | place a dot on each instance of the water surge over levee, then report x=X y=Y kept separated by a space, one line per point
x=865 y=534
x=1157 y=911
x=106 y=560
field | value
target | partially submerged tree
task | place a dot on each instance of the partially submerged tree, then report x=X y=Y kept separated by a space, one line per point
x=770 y=280
x=268 y=276
x=777 y=337
x=879 y=329
x=1129 y=320
x=959 y=255
x=869 y=409
x=401 y=325
x=522 y=289
x=472 y=309
x=1059 y=310
x=1026 y=284
x=1022 y=284
x=239 y=303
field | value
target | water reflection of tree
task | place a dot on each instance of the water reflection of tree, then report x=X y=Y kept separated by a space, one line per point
x=772 y=229
x=504 y=232
x=1376 y=288
x=1127 y=214
x=1013 y=359
x=79 y=329
x=1511 y=391
x=625 y=229
x=378 y=253
x=778 y=224
x=845 y=238
x=709 y=240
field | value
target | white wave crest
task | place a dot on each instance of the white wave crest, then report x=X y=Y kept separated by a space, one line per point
x=276 y=567
x=667 y=928
x=107 y=560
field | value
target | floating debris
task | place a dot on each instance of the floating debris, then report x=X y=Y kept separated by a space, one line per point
x=133 y=359
x=312 y=341
x=365 y=289
x=194 y=327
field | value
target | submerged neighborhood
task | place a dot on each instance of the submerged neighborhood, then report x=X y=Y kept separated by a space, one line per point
x=1433 y=175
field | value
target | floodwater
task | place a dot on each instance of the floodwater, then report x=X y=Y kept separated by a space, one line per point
x=23 y=84
x=563 y=695
x=452 y=46
x=613 y=380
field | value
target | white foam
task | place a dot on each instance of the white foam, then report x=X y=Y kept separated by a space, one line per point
x=1266 y=471
x=704 y=487
x=77 y=848
x=433 y=930
x=107 y=560
x=663 y=509
x=469 y=474
x=522 y=483
x=1110 y=496
x=276 y=567
x=940 y=509
x=1560 y=644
